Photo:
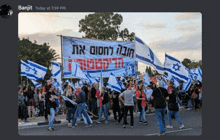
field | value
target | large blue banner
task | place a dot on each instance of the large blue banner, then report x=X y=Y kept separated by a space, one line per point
x=94 y=56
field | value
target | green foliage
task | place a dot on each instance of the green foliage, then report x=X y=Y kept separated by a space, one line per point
x=150 y=71
x=104 y=26
x=41 y=54
x=192 y=64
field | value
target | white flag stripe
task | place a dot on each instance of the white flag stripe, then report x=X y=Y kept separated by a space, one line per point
x=39 y=71
x=56 y=72
x=113 y=83
x=175 y=68
x=145 y=55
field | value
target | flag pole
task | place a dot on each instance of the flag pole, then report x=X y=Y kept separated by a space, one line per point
x=61 y=37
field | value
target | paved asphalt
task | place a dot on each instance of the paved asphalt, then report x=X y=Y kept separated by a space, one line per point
x=191 y=119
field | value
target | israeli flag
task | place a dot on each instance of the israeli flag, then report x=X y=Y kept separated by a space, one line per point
x=67 y=81
x=122 y=79
x=165 y=77
x=175 y=82
x=80 y=83
x=145 y=55
x=77 y=72
x=23 y=68
x=36 y=84
x=27 y=70
x=39 y=70
x=55 y=84
x=60 y=90
x=175 y=68
x=122 y=85
x=56 y=72
x=198 y=74
x=67 y=99
x=164 y=85
x=90 y=80
x=113 y=83
x=186 y=85
x=76 y=84
x=146 y=79
x=191 y=73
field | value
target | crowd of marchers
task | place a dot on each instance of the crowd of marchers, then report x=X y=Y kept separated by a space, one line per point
x=94 y=102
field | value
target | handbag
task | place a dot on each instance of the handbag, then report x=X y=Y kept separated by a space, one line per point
x=194 y=95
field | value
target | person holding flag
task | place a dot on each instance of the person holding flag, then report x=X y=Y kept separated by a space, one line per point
x=71 y=108
x=81 y=107
x=51 y=106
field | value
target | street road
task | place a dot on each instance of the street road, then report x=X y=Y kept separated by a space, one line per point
x=191 y=119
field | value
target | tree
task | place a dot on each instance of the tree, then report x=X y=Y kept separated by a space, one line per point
x=186 y=62
x=192 y=64
x=41 y=54
x=104 y=26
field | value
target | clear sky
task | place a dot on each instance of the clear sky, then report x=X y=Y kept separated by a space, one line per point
x=177 y=34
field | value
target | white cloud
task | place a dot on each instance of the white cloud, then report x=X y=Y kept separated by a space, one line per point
x=188 y=16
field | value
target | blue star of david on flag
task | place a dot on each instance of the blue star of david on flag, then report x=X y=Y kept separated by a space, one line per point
x=176 y=67
x=35 y=72
x=27 y=69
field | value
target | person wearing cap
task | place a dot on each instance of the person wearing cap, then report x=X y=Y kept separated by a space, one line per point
x=159 y=97
x=81 y=107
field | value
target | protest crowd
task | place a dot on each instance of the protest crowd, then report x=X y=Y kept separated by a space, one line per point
x=91 y=99
x=34 y=102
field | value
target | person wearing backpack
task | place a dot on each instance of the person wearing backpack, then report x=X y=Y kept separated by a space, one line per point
x=173 y=108
x=158 y=96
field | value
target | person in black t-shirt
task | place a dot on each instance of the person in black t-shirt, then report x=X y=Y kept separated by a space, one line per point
x=47 y=87
x=93 y=99
x=173 y=108
x=85 y=89
x=51 y=106
x=116 y=107
x=158 y=96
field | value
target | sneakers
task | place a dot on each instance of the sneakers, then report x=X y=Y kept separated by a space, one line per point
x=169 y=126
x=106 y=122
x=146 y=122
x=132 y=126
x=123 y=126
x=98 y=122
x=140 y=121
x=181 y=126
x=90 y=125
x=188 y=109
x=50 y=129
